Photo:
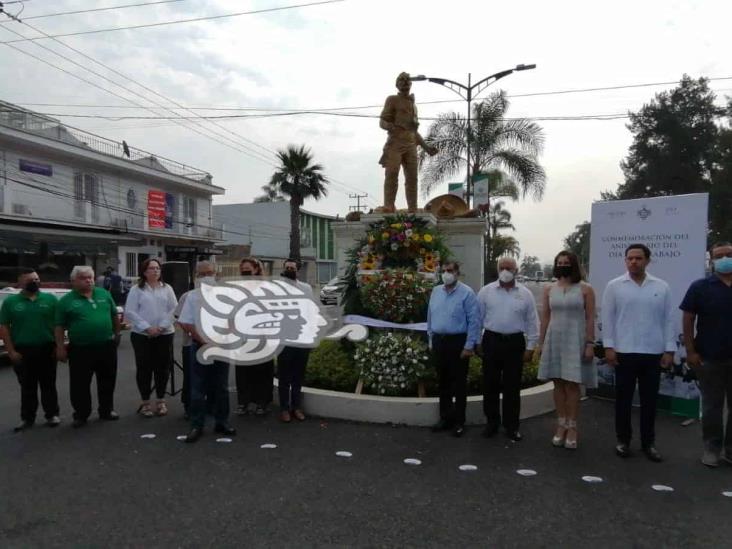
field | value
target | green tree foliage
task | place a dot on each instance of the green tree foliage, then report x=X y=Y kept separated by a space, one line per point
x=529 y=265
x=578 y=242
x=297 y=178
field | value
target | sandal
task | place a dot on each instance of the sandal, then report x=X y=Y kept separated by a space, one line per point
x=144 y=409
x=162 y=408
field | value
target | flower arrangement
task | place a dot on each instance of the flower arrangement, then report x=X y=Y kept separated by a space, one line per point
x=396 y=295
x=391 y=363
x=399 y=241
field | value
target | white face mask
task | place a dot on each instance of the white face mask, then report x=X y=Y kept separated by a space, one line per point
x=448 y=279
x=206 y=279
x=506 y=276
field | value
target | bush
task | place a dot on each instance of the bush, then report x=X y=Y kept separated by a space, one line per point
x=331 y=367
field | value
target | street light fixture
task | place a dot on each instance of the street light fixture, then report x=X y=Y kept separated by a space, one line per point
x=468 y=93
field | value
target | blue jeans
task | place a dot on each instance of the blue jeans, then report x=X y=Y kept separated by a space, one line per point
x=210 y=380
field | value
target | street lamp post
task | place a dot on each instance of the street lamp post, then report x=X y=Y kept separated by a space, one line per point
x=468 y=93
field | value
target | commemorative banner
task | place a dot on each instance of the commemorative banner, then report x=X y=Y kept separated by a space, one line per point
x=675 y=229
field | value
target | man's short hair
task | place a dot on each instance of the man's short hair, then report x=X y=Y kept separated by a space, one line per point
x=295 y=261
x=25 y=271
x=455 y=265
x=506 y=258
x=80 y=270
x=720 y=244
x=645 y=249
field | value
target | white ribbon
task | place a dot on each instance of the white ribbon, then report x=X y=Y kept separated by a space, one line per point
x=376 y=323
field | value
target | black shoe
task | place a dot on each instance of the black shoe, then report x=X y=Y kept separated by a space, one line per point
x=653 y=454
x=490 y=431
x=78 y=422
x=441 y=425
x=225 y=430
x=109 y=416
x=622 y=450
x=23 y=426
x=194 y=435
x=514 y=436
x=458 y=431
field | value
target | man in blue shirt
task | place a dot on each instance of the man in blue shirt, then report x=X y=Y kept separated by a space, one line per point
x=708 y=307
x=453 y=325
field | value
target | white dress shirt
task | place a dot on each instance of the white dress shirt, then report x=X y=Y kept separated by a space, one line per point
x=151 y=307
x=509 y=311
x=638 y=318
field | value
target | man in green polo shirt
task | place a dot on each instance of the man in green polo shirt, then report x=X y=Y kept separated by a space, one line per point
x=89 y=315
x=26 y=327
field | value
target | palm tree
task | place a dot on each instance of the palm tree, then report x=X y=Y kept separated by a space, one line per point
x=498 y=218
x=510 y=145
x=269 y=194
x=298 y=178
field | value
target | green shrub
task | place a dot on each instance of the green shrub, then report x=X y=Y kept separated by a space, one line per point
x=331 y=367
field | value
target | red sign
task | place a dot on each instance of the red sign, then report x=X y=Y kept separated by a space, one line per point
x=156 y=209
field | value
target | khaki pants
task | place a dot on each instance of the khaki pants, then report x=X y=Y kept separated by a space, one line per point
x=400 y=153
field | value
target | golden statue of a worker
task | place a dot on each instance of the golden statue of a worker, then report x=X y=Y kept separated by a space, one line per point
x=399 y=119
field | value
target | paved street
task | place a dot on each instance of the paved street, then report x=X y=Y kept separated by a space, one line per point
x=104 y=486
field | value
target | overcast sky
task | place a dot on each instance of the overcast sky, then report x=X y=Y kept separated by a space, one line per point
x=348 y=54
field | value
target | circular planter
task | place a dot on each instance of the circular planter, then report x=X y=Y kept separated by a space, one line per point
x=411 y=410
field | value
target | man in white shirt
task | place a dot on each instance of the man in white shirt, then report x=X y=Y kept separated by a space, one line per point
x=638 y=336
x=511 y=325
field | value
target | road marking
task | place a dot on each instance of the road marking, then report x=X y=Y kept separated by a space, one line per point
x=662 y=488
x=412 y=461
x=148 y=435
x=344 y=454
x=526 y=472
x=468 y=467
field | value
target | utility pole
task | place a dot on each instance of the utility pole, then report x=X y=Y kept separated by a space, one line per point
x=358 y=207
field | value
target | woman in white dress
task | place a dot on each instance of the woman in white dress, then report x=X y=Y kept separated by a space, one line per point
x=566 y=343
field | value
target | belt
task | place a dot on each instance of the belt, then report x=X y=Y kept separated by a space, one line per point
x=505 y=336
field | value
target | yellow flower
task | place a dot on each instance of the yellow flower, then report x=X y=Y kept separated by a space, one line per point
x=415 y=237
x=428 y=238
x=385 y=235
x=371 y=239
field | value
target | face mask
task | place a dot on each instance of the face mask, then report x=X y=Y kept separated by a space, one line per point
x=448 y=279
x=506 y=276
x=32 y=287
x=563 y=271
x=292 y=275
x=207 y=280
x=723 y=265
x=246 y=273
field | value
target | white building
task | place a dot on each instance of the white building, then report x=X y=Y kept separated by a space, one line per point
x=70 y=197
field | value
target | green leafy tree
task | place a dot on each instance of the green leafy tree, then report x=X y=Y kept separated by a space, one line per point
x=529 y=265
x=496 y=143
x=269 y=194
x=578 y=242
x=298 y=178
x=720 y=192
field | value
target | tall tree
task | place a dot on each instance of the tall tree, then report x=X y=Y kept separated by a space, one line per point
x=674 y=148
x=297 y=178
x=512 y=146
x=579 y=243
x=720 y=193
x=529 y=265
x=498 y=218
x=269 y=194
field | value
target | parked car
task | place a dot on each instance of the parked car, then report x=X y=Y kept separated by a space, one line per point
x=333 y=291
x=58 y=292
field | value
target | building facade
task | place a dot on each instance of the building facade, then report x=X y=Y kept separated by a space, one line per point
x=69 y=197
x=264 y=229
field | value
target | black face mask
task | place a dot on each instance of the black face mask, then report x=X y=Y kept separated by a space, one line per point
x=564 y=271
x=246 y=273
x=32 y=287
x=287 y=273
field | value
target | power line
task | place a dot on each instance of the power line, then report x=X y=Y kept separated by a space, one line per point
x=78 y=12
x=178 y=21
x=362 y=107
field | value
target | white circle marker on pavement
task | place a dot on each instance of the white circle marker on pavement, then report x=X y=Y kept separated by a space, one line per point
x=268 y=446
x=662 y=488
x=148 y=435
x=412 y=461
x=526 y=472
x=223 y=439
x=344 y=454
x=727 y=494
x=468 y=467
x=181 y=437
x=591 y=479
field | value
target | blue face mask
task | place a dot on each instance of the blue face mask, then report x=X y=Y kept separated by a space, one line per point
x=723 y=265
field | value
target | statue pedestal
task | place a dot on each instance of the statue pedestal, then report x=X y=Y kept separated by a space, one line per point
x=465 y=237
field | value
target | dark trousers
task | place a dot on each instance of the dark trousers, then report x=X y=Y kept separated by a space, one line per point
x=644 y=369
x=452 y=376
x=290 y=375
x=153 y=357
x=503 y=362
x=209 y=385
x=255 y=383
x=37 y=369
x=715 y=383
x=185 y=392
x=84 y=362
